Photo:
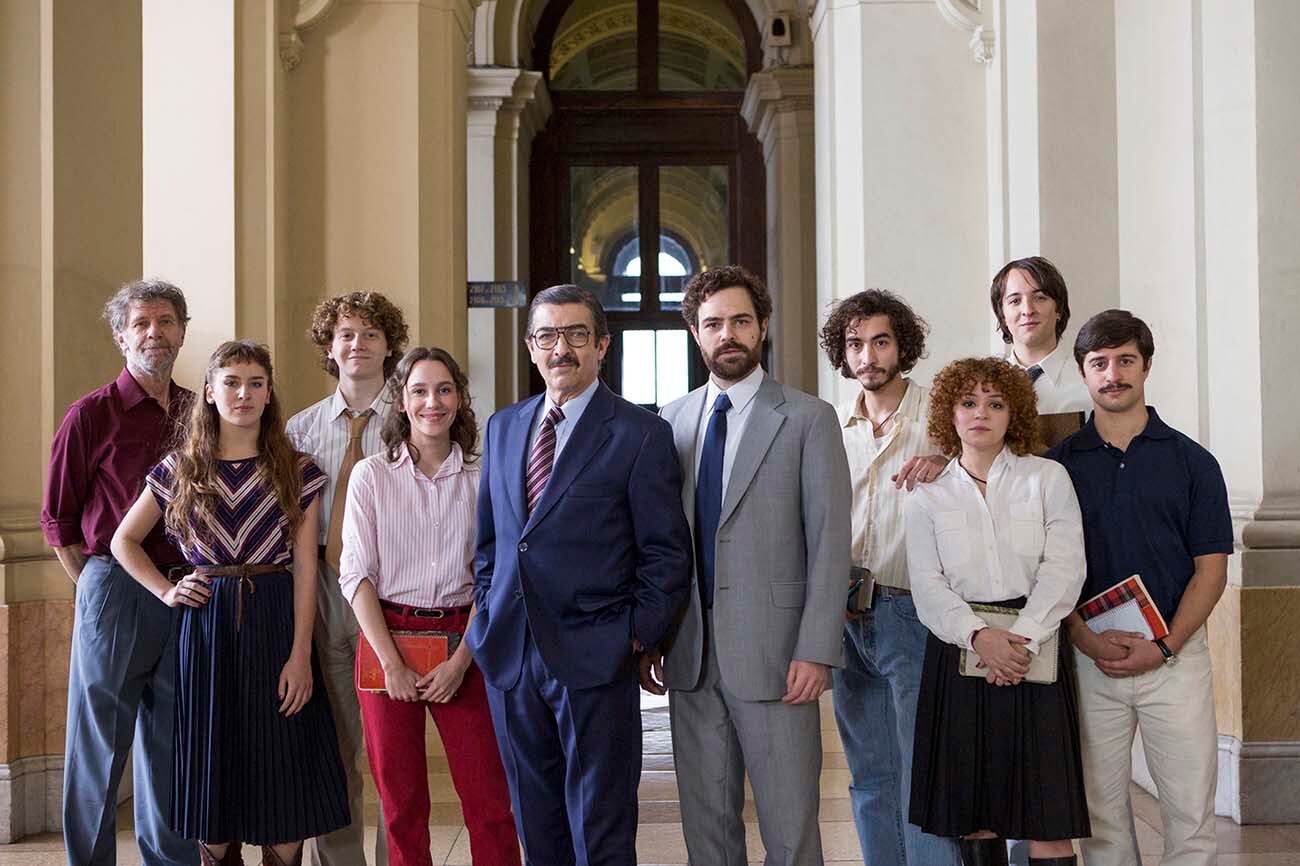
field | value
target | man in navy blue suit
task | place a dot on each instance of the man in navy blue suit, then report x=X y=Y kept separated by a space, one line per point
x=583 y=559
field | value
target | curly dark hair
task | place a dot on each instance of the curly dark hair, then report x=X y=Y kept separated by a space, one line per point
x=372 y=308
x=397 y=429
x=960 y=378
x=703 y=285
x=1042 y=274
x=909 y=328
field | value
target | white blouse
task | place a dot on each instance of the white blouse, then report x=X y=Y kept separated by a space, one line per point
x=1024 y=539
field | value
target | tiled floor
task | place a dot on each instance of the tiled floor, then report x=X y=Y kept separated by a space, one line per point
x=659 y=840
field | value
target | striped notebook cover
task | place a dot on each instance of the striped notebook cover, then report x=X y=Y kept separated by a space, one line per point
x=1128 y=591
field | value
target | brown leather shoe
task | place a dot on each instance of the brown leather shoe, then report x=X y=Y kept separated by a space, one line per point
x=233 y=856
x=270 y=858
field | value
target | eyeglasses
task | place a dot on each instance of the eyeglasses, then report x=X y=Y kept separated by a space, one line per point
x=576 y=336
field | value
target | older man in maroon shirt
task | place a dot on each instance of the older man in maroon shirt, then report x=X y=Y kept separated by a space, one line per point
x=121 y=687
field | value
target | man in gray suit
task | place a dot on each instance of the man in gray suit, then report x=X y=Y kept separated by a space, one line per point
x=766 y=491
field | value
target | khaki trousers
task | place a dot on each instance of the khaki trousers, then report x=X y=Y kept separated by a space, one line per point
x=1173 y=706
x=336 y=645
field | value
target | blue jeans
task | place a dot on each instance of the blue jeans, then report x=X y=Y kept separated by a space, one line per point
x=875 y=709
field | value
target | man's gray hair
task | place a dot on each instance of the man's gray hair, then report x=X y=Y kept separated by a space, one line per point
x=119 y=306
x=567 y=293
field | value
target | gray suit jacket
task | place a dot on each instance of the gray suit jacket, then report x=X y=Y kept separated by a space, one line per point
x=783 y=545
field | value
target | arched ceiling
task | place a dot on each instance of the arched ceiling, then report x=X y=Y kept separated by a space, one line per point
x=504 y=29
x=700 y=46
x=693 y=208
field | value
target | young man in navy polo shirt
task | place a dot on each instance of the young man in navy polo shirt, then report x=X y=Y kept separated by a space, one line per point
x=1154 y=504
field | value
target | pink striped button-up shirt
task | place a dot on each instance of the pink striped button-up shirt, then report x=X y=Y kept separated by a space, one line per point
x=410 y=535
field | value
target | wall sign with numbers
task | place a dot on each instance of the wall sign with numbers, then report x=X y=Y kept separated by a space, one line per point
x=502 y=293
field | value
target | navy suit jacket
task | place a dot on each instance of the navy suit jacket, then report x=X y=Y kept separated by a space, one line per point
x=604 y=557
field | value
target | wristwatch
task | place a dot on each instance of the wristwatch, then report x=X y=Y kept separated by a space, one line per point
x=1171 y=657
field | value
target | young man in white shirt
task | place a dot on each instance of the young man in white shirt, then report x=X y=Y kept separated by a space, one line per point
x=1032 y=307
x=875 y=338
x=361 y=337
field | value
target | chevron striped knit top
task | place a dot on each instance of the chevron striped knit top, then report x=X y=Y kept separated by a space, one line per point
x=250 y=527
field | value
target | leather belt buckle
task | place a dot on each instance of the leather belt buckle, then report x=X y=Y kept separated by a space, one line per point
x=430 y=612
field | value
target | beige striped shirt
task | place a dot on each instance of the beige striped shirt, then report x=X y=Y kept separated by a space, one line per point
x=879 y=541
x=321 y=432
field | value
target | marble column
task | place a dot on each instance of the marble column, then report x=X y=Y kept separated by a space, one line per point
x=1250 y=274
x=901 y=194
x=376 y=105
x=507 y=107
x=1051 y=145
x=70 y=201
x=778 y=107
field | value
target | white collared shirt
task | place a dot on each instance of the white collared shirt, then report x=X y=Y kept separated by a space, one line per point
x=742 y=396
x=321 y=431
x=1024 y=539
x=572 y=409
x=410 y=535
x=1061 y=387
x=879 y=542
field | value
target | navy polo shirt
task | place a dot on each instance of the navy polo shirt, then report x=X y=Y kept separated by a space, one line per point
x=1148 y=510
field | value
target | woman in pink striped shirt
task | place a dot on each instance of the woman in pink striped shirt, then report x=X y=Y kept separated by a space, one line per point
x=407 y=564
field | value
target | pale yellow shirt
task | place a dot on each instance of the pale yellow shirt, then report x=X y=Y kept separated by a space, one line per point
x=879 y=540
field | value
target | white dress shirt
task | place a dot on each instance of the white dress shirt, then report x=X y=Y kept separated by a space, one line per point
x=321 y=431
x=742 y=396
x=410 y=535
x=879 y=541
x=1024 y=539
x=1061 y=387
x=572 y=410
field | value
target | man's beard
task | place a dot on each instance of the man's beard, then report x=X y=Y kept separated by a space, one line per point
x=890 y=375
x=735 y=367
x=154 y=364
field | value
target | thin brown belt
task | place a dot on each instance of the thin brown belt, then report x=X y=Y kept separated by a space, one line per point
x=244 y=574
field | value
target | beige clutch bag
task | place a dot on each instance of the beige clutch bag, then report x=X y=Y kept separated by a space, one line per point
x=1042 y=669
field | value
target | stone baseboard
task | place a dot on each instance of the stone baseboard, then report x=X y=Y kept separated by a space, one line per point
x=31 y=797
x=1259 y=783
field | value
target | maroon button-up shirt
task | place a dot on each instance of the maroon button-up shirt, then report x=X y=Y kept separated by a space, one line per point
x=107 y=443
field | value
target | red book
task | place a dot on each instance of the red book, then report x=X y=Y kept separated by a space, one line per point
x=1126 y=606
x=421 y=650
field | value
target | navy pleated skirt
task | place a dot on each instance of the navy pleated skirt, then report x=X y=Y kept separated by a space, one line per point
x=244 y=772
x=999 y=758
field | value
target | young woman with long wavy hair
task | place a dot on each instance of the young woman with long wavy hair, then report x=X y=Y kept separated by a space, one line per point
x=408 y=549
x=256 y=755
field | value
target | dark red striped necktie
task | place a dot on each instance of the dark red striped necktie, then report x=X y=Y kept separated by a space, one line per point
x=542 y=460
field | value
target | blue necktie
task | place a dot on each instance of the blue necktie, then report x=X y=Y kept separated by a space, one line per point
x=708 y=496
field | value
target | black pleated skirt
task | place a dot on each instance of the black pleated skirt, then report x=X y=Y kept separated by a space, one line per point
x=244 y=772
x=999 y=758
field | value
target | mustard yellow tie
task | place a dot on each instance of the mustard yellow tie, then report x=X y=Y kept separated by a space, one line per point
x=334 y=538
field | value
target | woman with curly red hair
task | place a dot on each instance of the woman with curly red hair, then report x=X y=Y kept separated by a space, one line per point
x=997 y=538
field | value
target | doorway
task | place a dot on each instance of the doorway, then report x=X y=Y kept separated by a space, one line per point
x=646 y=173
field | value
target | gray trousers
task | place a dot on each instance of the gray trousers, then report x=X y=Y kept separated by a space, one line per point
x=717 y=739
x=121 y=689
x=336 y=646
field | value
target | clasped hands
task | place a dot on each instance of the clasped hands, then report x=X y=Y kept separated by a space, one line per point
x=1119 y=654
x=1004 y=654
x=804 y=681
x=438 y=685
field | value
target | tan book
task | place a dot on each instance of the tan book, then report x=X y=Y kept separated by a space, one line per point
x=1042 y=667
